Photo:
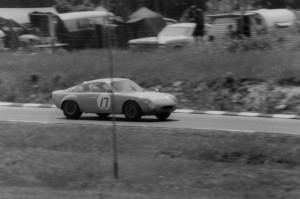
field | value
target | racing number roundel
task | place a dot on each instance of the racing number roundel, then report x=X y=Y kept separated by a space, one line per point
x=104 y=102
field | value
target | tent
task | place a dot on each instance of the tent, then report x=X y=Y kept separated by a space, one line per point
x=12 y=30
x=144 y=23
x=82 y=29
x=21 y=15
x=9 y=24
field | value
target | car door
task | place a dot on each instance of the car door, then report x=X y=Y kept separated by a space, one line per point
x=100 y=98
x=81 y=91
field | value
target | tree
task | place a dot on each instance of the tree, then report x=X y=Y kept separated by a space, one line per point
x=168 y=8
x=26 y=3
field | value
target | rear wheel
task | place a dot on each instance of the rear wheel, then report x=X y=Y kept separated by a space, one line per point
x=132 y=111
x=71 y=110
x=163 y=116
x=103 y=115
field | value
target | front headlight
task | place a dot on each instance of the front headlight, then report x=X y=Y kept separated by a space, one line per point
x=152 y=105
x=149 y=103
x=173 y=98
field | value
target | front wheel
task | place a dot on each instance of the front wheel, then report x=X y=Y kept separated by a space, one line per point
x=132 y=111
x=71 y=110
x=163 y=116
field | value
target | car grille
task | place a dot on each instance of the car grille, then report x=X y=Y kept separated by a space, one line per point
x=167 y=107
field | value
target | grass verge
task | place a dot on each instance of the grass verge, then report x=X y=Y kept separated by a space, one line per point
x=74 y=161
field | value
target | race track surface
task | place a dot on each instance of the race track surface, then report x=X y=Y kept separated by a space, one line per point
x=176 y=120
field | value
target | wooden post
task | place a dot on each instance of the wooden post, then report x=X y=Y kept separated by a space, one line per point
x=111 y=70
x=51 y=29
x=13 y=36
x=242 y=6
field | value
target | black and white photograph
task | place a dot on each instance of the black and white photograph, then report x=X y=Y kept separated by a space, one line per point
x=149 y=99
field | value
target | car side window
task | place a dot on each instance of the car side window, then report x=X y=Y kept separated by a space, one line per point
x=79 y=88
x=99 y=87
x=82 y=88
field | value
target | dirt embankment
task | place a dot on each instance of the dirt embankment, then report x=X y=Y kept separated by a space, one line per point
x=230 y=94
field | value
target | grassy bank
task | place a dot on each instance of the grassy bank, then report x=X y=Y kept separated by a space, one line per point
x=67 y=161
x=201 y=79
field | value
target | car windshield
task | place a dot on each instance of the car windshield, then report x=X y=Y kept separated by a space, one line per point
x=176 y=31
x=126 y=86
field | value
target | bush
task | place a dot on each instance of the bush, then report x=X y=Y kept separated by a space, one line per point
x=289 y=81
x=249 y=44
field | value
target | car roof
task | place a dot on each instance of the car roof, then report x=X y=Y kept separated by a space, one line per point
x=182 y=25
x=105 y=80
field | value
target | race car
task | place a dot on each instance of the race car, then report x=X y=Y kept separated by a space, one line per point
x=113 y=96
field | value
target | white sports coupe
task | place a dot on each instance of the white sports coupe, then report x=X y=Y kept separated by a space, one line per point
x=113 y=96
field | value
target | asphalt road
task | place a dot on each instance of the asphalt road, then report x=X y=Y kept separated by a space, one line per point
x=176 y=120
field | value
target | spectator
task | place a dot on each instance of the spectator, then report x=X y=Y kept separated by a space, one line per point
x=195 y=15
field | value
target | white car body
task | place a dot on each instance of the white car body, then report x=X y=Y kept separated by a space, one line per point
x=172 y=36
x=113 y=96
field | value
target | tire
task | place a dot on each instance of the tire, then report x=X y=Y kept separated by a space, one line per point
x=103 y=115
x=132 y=111
x=71 y=110
x=163 y=116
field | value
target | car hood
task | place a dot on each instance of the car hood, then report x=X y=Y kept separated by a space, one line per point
x=153 y=96
x=158 y=40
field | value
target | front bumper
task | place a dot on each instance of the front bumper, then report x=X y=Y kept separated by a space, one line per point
x=145 y=46
x=165 y=108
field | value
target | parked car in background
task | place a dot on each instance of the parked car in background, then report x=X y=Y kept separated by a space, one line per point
x=113 y=96
x=173 y=36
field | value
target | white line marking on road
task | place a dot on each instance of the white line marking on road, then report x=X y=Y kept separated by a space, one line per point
x=22 y=121
x=215 y=112
x=31 y=105
x=183 y=111
x=284 y=116
x=248 y=114
x=5 y=103
x=226 y=130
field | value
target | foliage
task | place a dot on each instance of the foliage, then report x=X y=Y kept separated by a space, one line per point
x=175 y=8
x=26 y=3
